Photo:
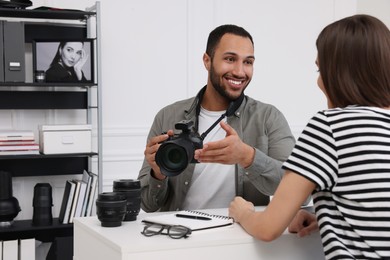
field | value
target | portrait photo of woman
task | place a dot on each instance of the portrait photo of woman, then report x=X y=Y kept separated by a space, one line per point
x=65 y=61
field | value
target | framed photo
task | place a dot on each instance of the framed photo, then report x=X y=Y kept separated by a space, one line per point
x=58 y=61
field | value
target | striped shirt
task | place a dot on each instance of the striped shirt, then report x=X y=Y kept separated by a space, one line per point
x=346 y=152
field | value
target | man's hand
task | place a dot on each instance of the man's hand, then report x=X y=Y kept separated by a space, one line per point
x=304 y=223
x=230 y=150
x=150 y=153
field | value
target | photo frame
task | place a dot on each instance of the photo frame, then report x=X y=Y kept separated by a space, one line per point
x=63 y=61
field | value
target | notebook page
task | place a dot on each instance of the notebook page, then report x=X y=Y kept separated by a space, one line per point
x=195 y=220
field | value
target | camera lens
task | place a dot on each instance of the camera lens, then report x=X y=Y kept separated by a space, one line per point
x=9 y=205
x=174 y=157
x=111 y=208
x=132 y=190
x=42 y=203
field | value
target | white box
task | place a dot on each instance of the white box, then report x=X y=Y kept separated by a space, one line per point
x=62 y=139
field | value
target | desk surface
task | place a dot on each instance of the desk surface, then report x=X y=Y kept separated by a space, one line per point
x=91 y=241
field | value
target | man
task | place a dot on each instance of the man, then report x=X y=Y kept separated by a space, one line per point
x=241 y=156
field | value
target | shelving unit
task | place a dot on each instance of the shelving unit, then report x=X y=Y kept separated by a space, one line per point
x=59 y=25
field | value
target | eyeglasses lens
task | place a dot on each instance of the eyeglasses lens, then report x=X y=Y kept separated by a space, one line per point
x=177 y=232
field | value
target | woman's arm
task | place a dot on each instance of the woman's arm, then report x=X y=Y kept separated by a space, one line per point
x=273 y=221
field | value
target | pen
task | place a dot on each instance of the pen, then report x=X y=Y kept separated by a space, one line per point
x=192 y=217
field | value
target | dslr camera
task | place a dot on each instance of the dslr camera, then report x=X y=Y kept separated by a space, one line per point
x=175 y=153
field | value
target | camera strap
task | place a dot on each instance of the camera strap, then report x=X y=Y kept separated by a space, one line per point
x=233 y=106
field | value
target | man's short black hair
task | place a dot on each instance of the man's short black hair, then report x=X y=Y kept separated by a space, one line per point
x=216 y=35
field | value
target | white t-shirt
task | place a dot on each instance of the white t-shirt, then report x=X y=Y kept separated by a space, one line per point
x=212 y=184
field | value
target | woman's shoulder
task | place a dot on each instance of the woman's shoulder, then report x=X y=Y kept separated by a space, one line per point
x=56 y=73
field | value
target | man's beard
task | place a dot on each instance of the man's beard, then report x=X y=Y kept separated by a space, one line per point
x=214 y=78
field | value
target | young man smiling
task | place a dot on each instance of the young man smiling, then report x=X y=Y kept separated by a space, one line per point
x=241 y=156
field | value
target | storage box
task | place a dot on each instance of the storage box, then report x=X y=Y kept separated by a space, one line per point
x=63 y=139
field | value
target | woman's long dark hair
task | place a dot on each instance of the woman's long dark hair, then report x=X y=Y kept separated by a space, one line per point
x=354 y=61
x=57 y=57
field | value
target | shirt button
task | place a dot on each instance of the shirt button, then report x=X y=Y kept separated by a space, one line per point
x=246 y=173
x=158 y=186
x=186 y=183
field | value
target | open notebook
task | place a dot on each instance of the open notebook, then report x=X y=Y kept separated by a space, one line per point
x=195 y=220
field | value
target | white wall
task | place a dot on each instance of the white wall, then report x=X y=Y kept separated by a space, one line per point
x=152 y=55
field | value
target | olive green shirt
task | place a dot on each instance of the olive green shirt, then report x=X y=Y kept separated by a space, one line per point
x=258 y=124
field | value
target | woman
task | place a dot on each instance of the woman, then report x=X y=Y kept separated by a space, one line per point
x=343 y=155
x=67 y=64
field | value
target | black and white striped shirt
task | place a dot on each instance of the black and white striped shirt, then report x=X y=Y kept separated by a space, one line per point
x=346 y=152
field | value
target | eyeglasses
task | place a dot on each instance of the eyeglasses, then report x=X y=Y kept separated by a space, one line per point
x=175 y=232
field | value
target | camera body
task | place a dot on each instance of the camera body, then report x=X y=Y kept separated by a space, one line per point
x=175 y=153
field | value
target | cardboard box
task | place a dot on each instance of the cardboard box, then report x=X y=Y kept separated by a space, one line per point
x=64 y=139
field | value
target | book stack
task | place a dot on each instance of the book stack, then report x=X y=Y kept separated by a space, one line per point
x=79 y=197
x=18 y=142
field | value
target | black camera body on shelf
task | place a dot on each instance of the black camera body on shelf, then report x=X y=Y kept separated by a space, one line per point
x=175 y=153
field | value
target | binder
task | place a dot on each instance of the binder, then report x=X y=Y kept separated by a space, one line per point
x=14 y=51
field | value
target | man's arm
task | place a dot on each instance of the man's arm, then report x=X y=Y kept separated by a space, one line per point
x=230 y=150
x=154 y=185
x=263 y=170
x=273 y=146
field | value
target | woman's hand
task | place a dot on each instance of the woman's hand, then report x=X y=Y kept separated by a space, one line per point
x=304 y=223
x=80 y=64
x=240 y=208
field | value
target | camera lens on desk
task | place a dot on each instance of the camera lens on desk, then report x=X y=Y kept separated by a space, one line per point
x=9 y=206
x=132 y=190
x=111 y=208
x=42 y=203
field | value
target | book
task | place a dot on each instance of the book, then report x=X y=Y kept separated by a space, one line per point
x=86 y=176
x=23 y=147
x=10 y=250
x=22 y=152
x=14 y=135
x=68 y=205
x=27 y=249
x=64 y=203
x=75 y=199
x=92 y=194
x=194 y=220
x=82 y=193
x=27 y=142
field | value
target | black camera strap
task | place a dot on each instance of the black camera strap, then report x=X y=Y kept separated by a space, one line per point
x=233 y=106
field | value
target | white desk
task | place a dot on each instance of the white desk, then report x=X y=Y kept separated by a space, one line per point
x=91 y=241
